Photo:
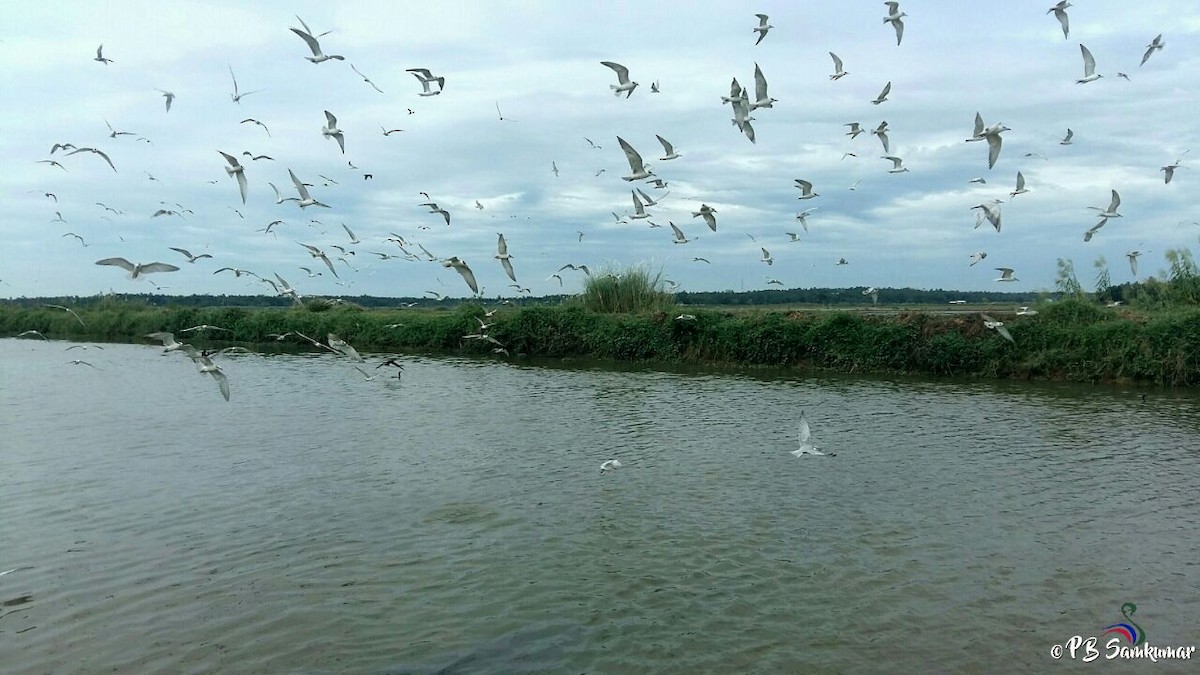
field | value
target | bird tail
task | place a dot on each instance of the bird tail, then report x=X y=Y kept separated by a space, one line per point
x=614 y=88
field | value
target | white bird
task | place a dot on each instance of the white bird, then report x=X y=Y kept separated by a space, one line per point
x=897 y=164
x=990 y=211
x=998 y=326
x=353 y=239
x=331 y=130
x=1111 y=211
x=1060 y=13
x=793 y=236
x=1133 y=256
x=138 y=269
x=638 y=170
x=1067 y=139
x=610 y=465
x=504 y=258
x=806 y=189
x=1154 y=46
x=238 y=171
x=992 y=136
x=802 y=217
x=1025 y=311
x=1087 y=236
x=1169 y=171
x=434 y=208
x=1006 y=274
x=977 y=134
x=667 y=148
x=251 y=120
x=191 y=258
x=206 y=365
x=342 y=347
x=236 y=95
x=874 y=293
x=855 y=130
x=100 y=56
x=462 y=268
x=204 y=326
x=1089 y=67
x=707 y=212
x=976 y=257
x=894 y=17
x=367 y=79
x=426 y=78
x=679 y=236
x=761 y=28
x=838 y=71
x=170 y=96
x=80 y=362
x=638 y=208
x=766 y=257
x=68 y=310
x=318 y=253
x=806 y=446
x=315 y=46
x=761 y=99
x=887 y=89
x=1020 y=186
x=881 y=132
x=622 y=77
x=305 y=198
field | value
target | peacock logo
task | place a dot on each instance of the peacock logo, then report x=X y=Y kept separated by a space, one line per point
x=1128 y=629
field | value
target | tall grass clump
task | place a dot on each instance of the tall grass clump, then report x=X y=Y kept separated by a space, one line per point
x=629 y=291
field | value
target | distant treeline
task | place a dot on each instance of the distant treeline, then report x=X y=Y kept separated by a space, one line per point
x=797 y=296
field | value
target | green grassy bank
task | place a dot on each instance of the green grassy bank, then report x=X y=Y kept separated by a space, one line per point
x=1069 y=340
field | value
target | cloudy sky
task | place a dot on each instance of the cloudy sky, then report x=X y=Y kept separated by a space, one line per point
x=540 y=63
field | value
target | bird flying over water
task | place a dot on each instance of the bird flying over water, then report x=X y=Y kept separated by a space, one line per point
x=805 y=434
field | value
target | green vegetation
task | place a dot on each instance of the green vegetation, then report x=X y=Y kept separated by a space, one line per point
x=1154 y=337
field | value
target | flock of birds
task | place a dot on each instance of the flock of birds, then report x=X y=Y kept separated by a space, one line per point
x=743 y=105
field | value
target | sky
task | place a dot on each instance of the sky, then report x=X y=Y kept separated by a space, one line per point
x=539 y=62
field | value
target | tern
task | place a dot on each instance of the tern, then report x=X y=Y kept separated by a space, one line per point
x=237 y=170
x=806 y=446
x=342 y=347
x=1132 y=255
x=802 y=217
x=137 y=270
x=838 y=71
x=315 y=46
x=895 y=18
x=1006 y=274
x=461 y=267
x=806 y=189
x=638 y=207
x=236 y=96
x=305 y=199
x=70 y=311
x=169 y=95
x=554 y=168
x=610 y=464
x=504 y=258
x=33 y=332
x=237 y=272
x=855 y=130
x=426 y=78
x=887 y=89
x=762 y=27
x=874 y=293
x=72 y=234
x=707 y=212
x=1067 y=139
x=1087 y=236
x=1060 y=13
x=1169 y=171
x=761 y=100
x=318 y=253
x=1020 y=186
x=100 y=56
x=654 y=89
x=1089 y=67
x=667 y=148
x=998 y=326
x=625 y=85
x=1111 y=211
x=94 y=152
x=1025 y=311
x=331 y=130
x=365 y=78
x=990 y=211
x=766 y=257
x=1154 y=46
x=168 y=340
x=353 y=239
x=80 y=362
x=647 y=200
x=976 y=257
x=992 y=136
x=434 y=208
x=897 y=164
x=638 y=170
x=251 y=120
x=206 y=365
x=679 y=236
x=191 y=258
x=881 y=132
x=205 y=326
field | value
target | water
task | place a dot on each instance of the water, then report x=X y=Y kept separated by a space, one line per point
x=456 y=521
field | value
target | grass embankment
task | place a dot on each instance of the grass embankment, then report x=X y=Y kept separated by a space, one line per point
x=1069 y=340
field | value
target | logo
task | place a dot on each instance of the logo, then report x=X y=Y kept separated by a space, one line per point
x=1087 y=648
x=1132 y=632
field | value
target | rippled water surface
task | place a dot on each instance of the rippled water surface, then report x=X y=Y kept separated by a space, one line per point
x=456 y=521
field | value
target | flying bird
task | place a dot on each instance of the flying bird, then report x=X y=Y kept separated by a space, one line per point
x=838 y=71
x=305 y=198
x=331 y=130
x=237 y=96
x=504 y=258
x=191 y=258
x=100 y=56
x=667 y=148
x=95 y=152
x=625 y=85
x=766 y=257
x=806 y=189
x=881 y=132
x=365 y=78
x=462 y=268
x=139 y=269
x=1020 y=186
x=609 y=465
x=897 y=164
x=883 y=94
x=238 y=171
x=761 y=99
x=1089 y=67
x=638 y=170
x=998 y=326
x=169 y=95
x=1154 y=46
x=1067 y=139
x=70 y=311
x=707 y=212
x=1060 y=13
x=761 y=28
x=251 y=120
x=806 y=446
x=318 y=253
x=1132 y=255
x=342 y=347
x=895 y=17
x=314 y=46
x=426 y=78
x=1006 y=274
x=976 y=257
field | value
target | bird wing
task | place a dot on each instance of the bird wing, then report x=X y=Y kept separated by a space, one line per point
x=666 y=146
x=231 y=159
x=622 y=71
x=352 y=237
x=760 y=84
x=635 y=160
x=637 y=204
x=678 y=232
x=978 y=126
x=467 y=275
x=299 y=186
x=1004 y=332
x=183 y=251
x=1116 y=201
x=1089 y=63
x=1061 y=15
x=313 y=45
x=887 y=89
x=1020 y=181
x=994 y=142
x=805 y=432
x=837 y=63
x=508 y=268
x=119 y=262
x=157 y=267
x=899 y=24
x=501 y=245
x=896 y=161
x=222 y=382
x=241 y=179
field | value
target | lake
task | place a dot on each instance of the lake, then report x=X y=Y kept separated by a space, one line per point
x=456 y=520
